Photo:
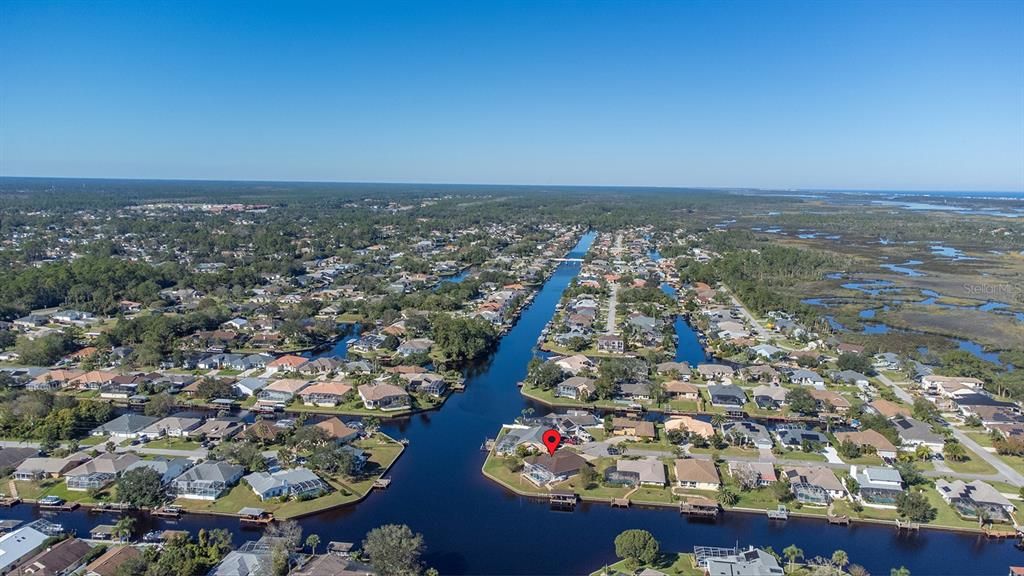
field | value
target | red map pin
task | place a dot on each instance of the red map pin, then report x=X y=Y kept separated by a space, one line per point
x=552 y=438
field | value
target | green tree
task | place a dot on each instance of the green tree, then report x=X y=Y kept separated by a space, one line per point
x=840 y=559
x=637 y=547
x=124 y=526
x=140 y=487
x=312 y=541
x=727 y=497
x=954 y=450
x=915 y=507
x=801 y=401
x=792 y=554
x=394 y=550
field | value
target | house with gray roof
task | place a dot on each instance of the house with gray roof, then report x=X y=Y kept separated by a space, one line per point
x=917 y=433
x=18 y=545
x=749 y=433
x=128 y=425
x=970 y=498
x=750 y=562
x=238 y=563
x=877 y=485
x=167 y=468
x=294 y=482
x=207 y=481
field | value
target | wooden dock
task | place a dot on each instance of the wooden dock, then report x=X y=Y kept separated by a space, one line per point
x=169 y=512
x=902 y=526
x=620 y=502
x=991 y=532
x=112 y=507
x=9 y=501
x=255 y=517
x=63 y=507
x=838 y=520
x=563 y=500
x=780 y=513
x=382 y=483
x=700 y=507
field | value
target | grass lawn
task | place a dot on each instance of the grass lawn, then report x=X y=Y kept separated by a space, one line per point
x=864 y=460
x=173 y=444
x=973 y=465
x=58 y=488
x=93 y=440
x=670 y=563
x=727 y=451
x=804 y=456
x=382 y=453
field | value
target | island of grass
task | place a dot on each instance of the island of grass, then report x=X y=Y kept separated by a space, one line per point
x=670 y=563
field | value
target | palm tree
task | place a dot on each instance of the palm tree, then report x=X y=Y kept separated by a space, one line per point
x=791 y=553
x=717 y=420
x=955 y=451
x=727 y=497
x=312 y=541
x=123 y=528
x=840 y=559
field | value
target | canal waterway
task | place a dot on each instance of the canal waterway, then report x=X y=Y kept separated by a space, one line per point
x=473 y=526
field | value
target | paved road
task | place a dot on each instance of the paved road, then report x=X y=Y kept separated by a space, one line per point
x=759 y=330
x=140 y=448
x=1007 y=473
x=609 y=327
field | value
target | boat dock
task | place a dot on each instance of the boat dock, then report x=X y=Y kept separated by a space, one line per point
x=382 y=483
x=563 y=500
x=907 y=526
x=700 y=507
x=171 y=511
x=780 y=513
x=255 y=516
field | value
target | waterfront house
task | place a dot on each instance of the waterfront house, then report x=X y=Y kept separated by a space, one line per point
x=294 y=483
x=796 y=435
x=18 y=545
x=769 y=397
x=217 y=429
x=971 y=497
x=749 y=562
x=109 y=563
x=426 y=383
x=93 y=380
x=99 y=471
x=634 y=391
x=680 y=390
x=281 y=391
x=322 y=366
x=384 y=397
x=252 y=562
x=45 y=467
x=128 y=425
x=574 y=364
x=11 y=458
x=54 y=380
x=62 y=558
x=746 y=432
x=680 y=370
x=250 y=386
x=630 y=427
x=806 y=377
x=264 y=431
x=815 y=485
x=207 y=481
x=544 y=469
x=877 y=485
x=648 y=471
x=167 y=468
x=415 y=346
x=530 y=438
x=691 y=425
x=761 y=373
x=870 y=440
x=611 y=343
x=762 y=472
x=577 y=388
x=728 y=396
x=330 y=393
x=337 y=431
x=697 y=474
x=286 y=363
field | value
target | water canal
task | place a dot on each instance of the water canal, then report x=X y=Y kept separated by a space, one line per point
x=472 y=526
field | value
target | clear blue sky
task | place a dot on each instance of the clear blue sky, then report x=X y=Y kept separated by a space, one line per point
x=889 y=95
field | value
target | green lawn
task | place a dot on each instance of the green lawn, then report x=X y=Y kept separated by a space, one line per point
x=57 y=487
x=727 y=451
x=804 y=456
x=673 y=564
x=173 y=444
x=973 y=465
x=93 y=440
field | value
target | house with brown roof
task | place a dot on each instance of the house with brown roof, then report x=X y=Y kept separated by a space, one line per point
x=109 y=562
x=680 y=390
x=286 y=363
x=691 y=425
x=630 y=427
x=384 y=396
x=697 y=474
x=337 y=430
x=888 y=408
x=544 y=469
x=329 y=393
x=830 y=401
x=54 y=379
x=872 y=440
x=61 y=558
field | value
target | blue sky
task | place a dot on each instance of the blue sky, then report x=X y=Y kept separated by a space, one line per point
x=884 y=95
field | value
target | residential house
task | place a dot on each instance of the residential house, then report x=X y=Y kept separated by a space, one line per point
x=870 y=440
x=762 y=373
x=647 y=471
x=851 y=378
x=691 y=425
x=281 y=391
x=337 y=430
x=681 y=390
x=129 y=425
x=384 y=397
x=322 y=366
x=727 y=395
x=207 y=481
x=330 y=393
x=54 y=380
x=60 y=559
x=251 y=386
x=697 y=474
x=795 y=436
x=830 y=402
x=543 y=469
x=17 y=546
x=577 y=388
x=680 y=370
x=746 y=432
x=426 y=383
x=971 y=497
x=286 y=363
x=877 y=485
x=915 y=433
x=749 y=562
x=99 y=471
x=415 y=346
x=109 y=563
x=294 y=483
x=715 y=372
x=256 y=562
x=762 y=472
x=816 y=485
x=171 y=426
x=611 y=343
x=528 y=437
x=217 y=429
x=44 y=467
x=629 y=427
x=806 y=377
x=167 y=468
x=574 y=364
x=769 y=397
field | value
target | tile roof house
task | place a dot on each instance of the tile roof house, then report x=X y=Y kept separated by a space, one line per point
x=172 y=426
x=337 y=430
x=281 y=391
x=286 y=363
x=814 y=484
x=691 y=425
x=329 y=393
x=871 y=439
x=384 y=397
x=697 y=474
x=43 y=467
x=649 y=471
x=970 y=497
